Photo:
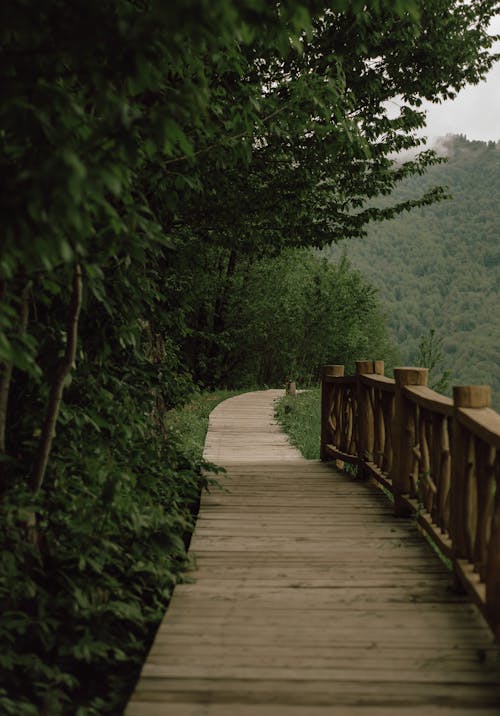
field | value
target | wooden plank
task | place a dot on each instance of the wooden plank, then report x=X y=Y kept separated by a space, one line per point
x=148 y=708
x=331 y=675
x=333 y=620
x=334 y=638
x=322 y=653
x=312 y=692
x=320 y=575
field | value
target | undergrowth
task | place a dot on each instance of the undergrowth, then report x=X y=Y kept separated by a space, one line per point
x=189 y=423
x=83 y=590
x=300 y=418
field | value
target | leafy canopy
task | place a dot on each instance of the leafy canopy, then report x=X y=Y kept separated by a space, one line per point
x=123 y=122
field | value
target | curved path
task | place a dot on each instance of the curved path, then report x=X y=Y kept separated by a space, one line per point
x=309 y=598
x=243 y=430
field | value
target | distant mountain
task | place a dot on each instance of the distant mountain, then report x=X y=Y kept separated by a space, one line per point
x=439 y=267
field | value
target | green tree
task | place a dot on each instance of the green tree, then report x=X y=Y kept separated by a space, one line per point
x=282 y=317
x=431 y=356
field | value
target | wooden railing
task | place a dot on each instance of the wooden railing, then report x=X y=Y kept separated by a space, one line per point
x=439 y=459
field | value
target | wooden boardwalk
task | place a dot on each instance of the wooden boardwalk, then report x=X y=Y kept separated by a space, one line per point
x=310 y=599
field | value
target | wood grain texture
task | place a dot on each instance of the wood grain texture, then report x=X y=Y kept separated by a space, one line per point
x=309 y=598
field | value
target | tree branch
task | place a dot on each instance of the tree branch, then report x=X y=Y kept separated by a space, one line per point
x=224 y=140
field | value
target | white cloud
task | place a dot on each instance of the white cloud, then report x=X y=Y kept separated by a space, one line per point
x=475 y=112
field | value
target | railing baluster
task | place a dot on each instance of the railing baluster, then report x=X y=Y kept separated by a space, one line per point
x=485 y=488
x=327 y=405
x=492 y=577
x=366 y=411
x=462 y=470
x=403 y=431
x=388 y=416
x=365 y=416
x=445 y=481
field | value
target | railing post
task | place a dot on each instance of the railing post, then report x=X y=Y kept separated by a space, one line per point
x=403 y=432
x=291 y=388
x=464 y=396
x=327 y=390
x=463 y=496
x=365 y=417
x=492 y=576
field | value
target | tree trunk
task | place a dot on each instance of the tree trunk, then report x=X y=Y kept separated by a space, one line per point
x=217 y=357
x=6 y=379
x=220 y=303
x=56 y=391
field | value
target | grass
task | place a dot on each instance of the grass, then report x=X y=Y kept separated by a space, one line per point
x=300 y=418
x=190 y=422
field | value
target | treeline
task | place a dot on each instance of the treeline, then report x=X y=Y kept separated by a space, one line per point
x=438 y=268
x=263 y=321
x=162 y=163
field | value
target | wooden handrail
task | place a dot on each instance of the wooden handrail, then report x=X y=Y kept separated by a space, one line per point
x=482 y=422
x=438 y=458
x=429 y=399
x=341 y=379
x=379 y=381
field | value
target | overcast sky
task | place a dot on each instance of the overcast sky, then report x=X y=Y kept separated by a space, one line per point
x=475 y=112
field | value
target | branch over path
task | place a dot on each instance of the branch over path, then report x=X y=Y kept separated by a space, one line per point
x=310 y=598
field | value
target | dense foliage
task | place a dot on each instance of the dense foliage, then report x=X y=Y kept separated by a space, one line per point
x=141 y=143
x=438 y=268
x=263 y=321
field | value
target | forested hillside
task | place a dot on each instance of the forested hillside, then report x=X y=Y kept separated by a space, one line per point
x=438 y=267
